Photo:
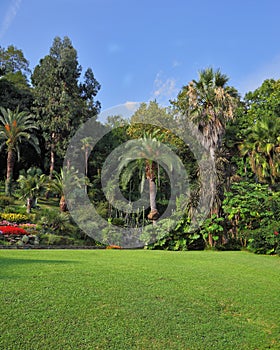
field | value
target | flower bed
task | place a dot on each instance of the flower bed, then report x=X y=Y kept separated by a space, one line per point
x=16 y=217
x=12 y=230
x=12 y=234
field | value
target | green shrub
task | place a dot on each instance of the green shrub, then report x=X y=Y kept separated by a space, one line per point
x=51 y=221
x=4 y=242
x=118 y=221
x=6 y=201
x=265 y=240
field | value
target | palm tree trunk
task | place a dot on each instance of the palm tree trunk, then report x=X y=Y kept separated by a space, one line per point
x=62 y=204
x=29 y=202
x=153 y=192
x=11 y=158
x=154 y=214
x=150 y=175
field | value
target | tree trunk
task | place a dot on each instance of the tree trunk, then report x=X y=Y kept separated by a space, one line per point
x=52 y=160
x=86 y=166
x=52 y=156
x=154 y=214
x=11 y=158
x=151 y=176
x=29 y=203
x=52 y=163
x=62 y=204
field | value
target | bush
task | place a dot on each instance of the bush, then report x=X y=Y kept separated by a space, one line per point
x=53 y=222
x=265 y=240
x=6 y=201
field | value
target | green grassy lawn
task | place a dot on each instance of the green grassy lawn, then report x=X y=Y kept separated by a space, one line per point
x=138 y=299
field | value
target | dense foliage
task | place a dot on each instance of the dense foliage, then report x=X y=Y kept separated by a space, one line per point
x=242 y=137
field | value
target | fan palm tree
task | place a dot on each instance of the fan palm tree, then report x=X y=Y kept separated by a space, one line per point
x=15 y=127
x=209 y=103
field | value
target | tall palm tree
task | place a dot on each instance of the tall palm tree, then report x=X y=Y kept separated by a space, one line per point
x=15 y=127
x=146 y=168
x=209 y=103
x=262 y=146
x=144 y=152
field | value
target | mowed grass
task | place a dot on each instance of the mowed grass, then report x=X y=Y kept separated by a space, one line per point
x=126 y=299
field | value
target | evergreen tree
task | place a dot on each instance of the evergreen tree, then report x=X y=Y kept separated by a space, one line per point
x=62 y=104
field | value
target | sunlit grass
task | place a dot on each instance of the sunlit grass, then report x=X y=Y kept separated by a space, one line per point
x=117 y=299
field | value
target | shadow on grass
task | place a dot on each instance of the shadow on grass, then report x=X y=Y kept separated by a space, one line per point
x=8 y=266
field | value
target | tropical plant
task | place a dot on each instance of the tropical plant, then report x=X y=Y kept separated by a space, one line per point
x=251 y=208
x=209 y=103
x=54 y=222
x=146 y=168
x=142 y=156
x=66 y=177
x=16 y=127
x=31 y=184
x=262 y=147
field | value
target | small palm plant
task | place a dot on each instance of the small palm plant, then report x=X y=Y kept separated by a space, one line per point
x=31 y=184
x=55 y=186
x=66 y=177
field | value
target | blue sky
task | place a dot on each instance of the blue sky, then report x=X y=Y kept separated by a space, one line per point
x=149 y=49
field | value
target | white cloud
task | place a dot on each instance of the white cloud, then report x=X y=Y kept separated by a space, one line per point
x=131 y=106
x=164 y=89
x=9 y=16
x=271 y=70
x=125 y=110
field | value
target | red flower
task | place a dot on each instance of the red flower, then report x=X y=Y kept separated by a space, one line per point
x=276 y=233
x=12 y=230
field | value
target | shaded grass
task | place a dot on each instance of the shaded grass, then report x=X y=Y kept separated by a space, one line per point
x=112 y=299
